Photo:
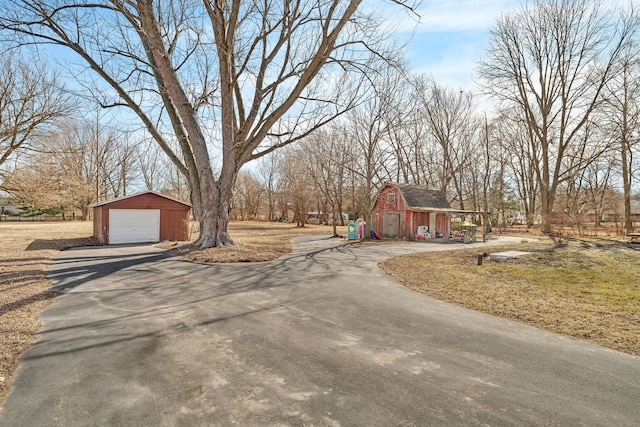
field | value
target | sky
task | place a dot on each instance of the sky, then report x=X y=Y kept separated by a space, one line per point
x=449 y=37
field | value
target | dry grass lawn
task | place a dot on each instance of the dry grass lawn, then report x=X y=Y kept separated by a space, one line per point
x=588 y=289
x=26 y=250
x=255 y=242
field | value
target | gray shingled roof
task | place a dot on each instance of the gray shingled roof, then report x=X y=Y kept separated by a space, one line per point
x=418 y=196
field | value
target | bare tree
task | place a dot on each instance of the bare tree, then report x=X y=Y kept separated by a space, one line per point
x=31 y=100
x=515 y=142
x=488 y=174
x=247 y=196
x=366 y=129
x=73 y=168
x=121 y=169
x=551 y=59
x=373 y=132
x=39 y=188
x=175 y=183
x=296 y=185
x=452 y=125
x=75 y=151
x=622 y=117
x=327 y=158
x=597 y=186
x=149 y=160
x=260 y=75
x=269 y=174
x=411 y=137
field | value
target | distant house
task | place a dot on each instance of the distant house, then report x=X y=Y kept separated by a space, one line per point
x=399 y=209
x=8 y=208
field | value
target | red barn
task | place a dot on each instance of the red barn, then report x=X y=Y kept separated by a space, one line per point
x=142 y=217
x=399 y=209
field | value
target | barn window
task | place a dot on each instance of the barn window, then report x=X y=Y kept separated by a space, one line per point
x=391 y=197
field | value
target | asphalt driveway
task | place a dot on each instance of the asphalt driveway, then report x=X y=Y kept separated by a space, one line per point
x=318 y=338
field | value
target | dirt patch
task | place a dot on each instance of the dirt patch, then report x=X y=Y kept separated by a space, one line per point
x=584 y=288
x=26 y=250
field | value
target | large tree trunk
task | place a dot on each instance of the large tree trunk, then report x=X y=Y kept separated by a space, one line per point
x=531 y=201
x=547 y=201
x=215 y=219
x=205 y=195
x=85 y=212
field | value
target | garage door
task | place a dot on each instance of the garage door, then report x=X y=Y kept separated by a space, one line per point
x=134 y=226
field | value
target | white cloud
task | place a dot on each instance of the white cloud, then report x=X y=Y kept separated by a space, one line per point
x=455 y=68
x=463 y=15
x=444 y=15
x=449 y=36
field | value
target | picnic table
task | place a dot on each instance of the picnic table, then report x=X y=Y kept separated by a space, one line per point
x=634 y=237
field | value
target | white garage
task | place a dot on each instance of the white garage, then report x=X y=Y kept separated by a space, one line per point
x=134 y=226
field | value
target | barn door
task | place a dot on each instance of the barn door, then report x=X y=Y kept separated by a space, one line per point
x=391 y=225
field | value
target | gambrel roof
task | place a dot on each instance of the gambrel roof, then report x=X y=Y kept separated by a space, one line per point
x=422 y=197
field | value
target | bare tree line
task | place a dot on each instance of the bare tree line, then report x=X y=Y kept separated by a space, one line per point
x=561 y=139
x=260 y=75
x=78 y=163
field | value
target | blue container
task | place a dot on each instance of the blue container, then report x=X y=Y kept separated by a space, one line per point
x=351 y=231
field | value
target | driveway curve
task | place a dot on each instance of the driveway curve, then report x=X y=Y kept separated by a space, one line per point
x=321 y=337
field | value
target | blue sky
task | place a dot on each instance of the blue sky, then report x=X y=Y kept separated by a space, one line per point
x=449 y=37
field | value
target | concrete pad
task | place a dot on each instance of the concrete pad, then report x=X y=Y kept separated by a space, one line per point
x=506 y=255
